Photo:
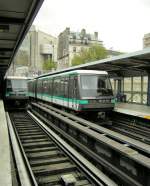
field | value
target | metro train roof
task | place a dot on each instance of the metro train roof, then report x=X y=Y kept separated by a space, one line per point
x=86 y=72
x=73 y=72
x=16 y=77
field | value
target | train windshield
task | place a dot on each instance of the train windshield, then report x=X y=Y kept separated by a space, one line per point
x=17 y=84
x=95 y=86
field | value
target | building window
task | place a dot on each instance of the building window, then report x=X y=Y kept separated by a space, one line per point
x=86 y=41
x=74 y=49
x=82 y=49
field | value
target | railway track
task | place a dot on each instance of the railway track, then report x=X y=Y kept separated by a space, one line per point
x=124 y=159
x=47 y=159
x=131 y=131
x=130 y=127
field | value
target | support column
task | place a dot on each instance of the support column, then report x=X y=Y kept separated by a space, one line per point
x=132 y=89
x=119 y=86
x=142 y=89
x=148 y=89
x=1 y=87
x=115 y=89
x=120 y=89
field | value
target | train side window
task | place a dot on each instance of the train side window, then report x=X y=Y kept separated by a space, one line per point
x=61 y=87
x=71 y=86
x=9 y=85
x=76 y=91
x=38 y=86
x=41 y=86
x=45 y=86
x=66 y=79
x=32 y=87
x=54 y=87
x=52 y=91
x=50 y=87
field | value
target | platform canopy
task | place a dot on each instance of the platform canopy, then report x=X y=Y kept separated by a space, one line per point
x=124 y=65
x=16 y=17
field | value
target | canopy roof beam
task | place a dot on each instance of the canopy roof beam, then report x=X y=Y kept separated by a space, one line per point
x=12 y=20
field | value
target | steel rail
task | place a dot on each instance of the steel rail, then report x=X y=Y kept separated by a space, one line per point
x=125 y=151
x=20 y=162
x=144 y=131
x=88 y=167
x=131 y=132
x=97 y=177
x=125 y=139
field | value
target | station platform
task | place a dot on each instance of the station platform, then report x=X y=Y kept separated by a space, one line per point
x=5 y=159
x=141 y=111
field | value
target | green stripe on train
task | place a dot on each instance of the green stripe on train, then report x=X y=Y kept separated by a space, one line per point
x=8 y=93
x=82 y=102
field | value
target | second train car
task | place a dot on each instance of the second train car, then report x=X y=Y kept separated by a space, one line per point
x=16 y=91
x=79 y=90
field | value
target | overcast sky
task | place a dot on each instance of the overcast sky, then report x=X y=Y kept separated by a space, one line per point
x=121 y=24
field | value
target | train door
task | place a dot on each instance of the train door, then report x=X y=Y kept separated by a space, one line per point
x=66 y=91
x=73 y=92
x=35 y=89
x=50 y=89
x=38 y=88
x=62 y=91
x=41 y=91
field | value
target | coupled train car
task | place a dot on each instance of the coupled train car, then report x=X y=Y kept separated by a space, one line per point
x=79 y=90
x=16 y=91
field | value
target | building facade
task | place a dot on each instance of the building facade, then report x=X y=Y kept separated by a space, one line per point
x=146 y=40
x=43 y=47
x=71 y=43
x=37 y=48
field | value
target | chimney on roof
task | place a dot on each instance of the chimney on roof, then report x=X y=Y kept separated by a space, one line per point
x=96 y=36
x=83 y=32
x=68 y=30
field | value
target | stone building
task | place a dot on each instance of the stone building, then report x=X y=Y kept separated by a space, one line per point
x=36 y=48
x=43 y=46
x=71 y=43
x=146 y=40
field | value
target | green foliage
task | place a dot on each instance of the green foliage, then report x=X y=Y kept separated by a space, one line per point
x=49 y=65
x=77 y=60
x=93 y=53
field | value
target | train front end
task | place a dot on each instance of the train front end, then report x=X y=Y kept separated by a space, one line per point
x=16 y=91
x=96 y=92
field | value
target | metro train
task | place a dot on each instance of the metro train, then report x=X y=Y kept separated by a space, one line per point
x=16 y=91
x=79 y=90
